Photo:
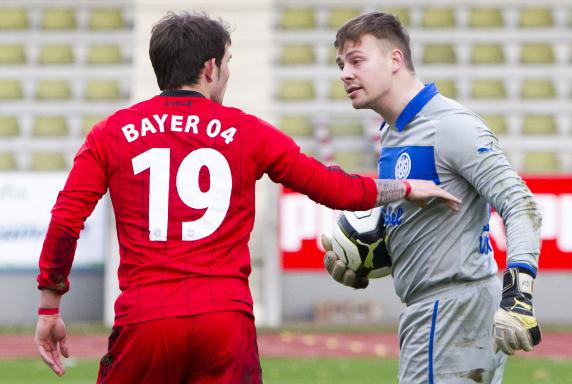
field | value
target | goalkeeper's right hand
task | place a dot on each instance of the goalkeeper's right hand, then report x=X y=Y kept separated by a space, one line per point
x=339 y=270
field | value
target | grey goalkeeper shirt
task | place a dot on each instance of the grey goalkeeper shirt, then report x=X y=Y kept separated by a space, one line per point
x=435 y=138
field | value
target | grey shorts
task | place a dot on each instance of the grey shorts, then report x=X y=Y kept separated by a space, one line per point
x=447 y=336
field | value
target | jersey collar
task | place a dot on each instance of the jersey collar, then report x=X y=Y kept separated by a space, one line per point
x=181 y=93
x=415 y=105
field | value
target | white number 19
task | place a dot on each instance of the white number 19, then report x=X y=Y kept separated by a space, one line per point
x=216 y=200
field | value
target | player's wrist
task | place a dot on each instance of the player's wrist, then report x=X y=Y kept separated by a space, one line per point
x=407 y=185
x=48 y=311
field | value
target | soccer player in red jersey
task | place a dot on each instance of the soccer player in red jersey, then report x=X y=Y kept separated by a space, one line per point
x=181 y=170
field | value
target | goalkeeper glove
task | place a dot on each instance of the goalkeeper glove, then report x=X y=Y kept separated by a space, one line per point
x=515 y=326
x=340 y=271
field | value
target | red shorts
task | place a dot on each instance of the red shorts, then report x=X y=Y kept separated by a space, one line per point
x=216 y=347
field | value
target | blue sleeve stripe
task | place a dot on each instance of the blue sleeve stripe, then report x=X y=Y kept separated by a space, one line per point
x=528 y=267
x=432 y=339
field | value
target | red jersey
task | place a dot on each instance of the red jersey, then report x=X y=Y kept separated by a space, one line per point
x=181 y=171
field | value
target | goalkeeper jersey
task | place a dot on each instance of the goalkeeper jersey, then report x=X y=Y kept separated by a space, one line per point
x=435 y=138
x=181 y=172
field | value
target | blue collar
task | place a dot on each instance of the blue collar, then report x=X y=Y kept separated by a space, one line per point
x=415 y=105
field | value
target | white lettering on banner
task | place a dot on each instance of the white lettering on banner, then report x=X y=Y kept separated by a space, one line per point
x=297 y=221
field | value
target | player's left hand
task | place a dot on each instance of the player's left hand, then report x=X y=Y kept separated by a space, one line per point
x=339 y=270
x=51 y=336
x=515 y=326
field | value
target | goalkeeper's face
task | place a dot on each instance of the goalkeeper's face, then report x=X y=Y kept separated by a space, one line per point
x=367 y=69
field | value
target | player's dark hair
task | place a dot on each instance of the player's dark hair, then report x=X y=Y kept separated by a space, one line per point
x=180 y=45
x=384 y=26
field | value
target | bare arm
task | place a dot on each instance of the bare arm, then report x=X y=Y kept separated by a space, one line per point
x=421 y=190
x=51 y=338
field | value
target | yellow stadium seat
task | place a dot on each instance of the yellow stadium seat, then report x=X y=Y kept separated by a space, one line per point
x=485 y=18
x=536 y=17
x=296 y=125
x=537 y=89
x=296 y=90
x=8 y=162
x=298 y=18
x=438 y=18
x=89 y=121
x=14 y=18
x=488 y=89
x=102 y=90
x=354 y=161
x=537 y=53
x=56 y=54
x=339 y=16
x=12 y=54
x=539 y=125
x=297 y=54
x=487 y=54
x=541 y=162
x=341 y=126
x=439 y=54
x=11 y=90
x=98 y=54
x=337 y=91
x=59 y=19
x=447 y=87
x=496 y=123
x=401 y=13
x=106 y=18
x=50 y=126
x=9 y=126
x=53 y=90
x=47 y=161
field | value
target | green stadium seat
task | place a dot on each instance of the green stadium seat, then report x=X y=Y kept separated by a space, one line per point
x=291 y=90
x=53 y=90
x=106 y=18
x=536 y=17
x=354 y=161
x=55 y=19
x=487 y=54
x=541 y=162
x=297 y=18
x=537 y=89
x=297 y=126
x=8 y=162
x=47 y=161
x=537 y=53
x=297 y=54
x=56 y=54
x=485 y=18
x=104 y=54
x=488 y=89
x=332 y=55
x=339 y=16
x=341 y=126
x=14 y=18
x=12 y=54
x=439 y=54
x=539 y=125
x=11 y=90
x=9 y=126
x=496 y=123
x=438 y=18
x=50 y=126
x=89 y=121
x=337 y=91
x=401 y=13
x=447 y=87
x=96 y=90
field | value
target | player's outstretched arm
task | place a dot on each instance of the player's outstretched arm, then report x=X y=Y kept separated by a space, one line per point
x=416 y=191
x=50 y=338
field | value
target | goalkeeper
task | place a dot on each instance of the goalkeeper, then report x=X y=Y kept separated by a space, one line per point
x=459 y=323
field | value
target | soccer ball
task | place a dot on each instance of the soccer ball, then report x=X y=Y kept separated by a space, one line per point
x=358 y=239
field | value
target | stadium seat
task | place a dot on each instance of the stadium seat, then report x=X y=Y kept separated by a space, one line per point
x=50 y=126
x=536 y=17
x=438 y=18
x=487 y=54
x=401 y=13
x=541 y=162
x=485 y=18
x=104 y=54
x=439 y=54
x=537 y=89
x=89 y=121
x=9 y=126
x=14 y=18
x=354 y=161
x=11 y=90
x=53 y=90
x=47 y=161
x=537 y=53
x=337 y=90
x=8 y=162
x=96 y=90
x=333 y=54
x=12 y=54
x=297 y=54
x=539 y=125
x=488 y=89
x=106 y=18
x=447 y=87
x=341 y=126
x=298 y=18
x=339 y=16
x=291 y=90
x=496 y=123
x=297 y=126
x=56 y=54
x=58 y=19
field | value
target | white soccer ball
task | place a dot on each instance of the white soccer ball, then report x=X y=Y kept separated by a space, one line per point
x=358 y=239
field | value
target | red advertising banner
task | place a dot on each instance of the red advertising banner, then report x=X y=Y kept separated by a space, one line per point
x=301 y=222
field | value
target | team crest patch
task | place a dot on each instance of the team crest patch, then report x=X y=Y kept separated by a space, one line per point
x=403 y=166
